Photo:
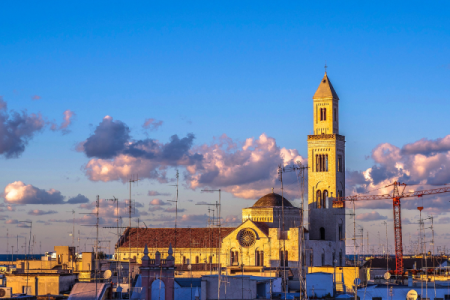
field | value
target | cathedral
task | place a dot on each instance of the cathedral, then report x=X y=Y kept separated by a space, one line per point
x=259 y=244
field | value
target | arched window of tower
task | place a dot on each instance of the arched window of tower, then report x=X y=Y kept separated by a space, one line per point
x=318 y=199
x=325 y=199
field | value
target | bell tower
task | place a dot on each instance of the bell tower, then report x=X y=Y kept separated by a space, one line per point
x=326 y=108
x=326 y=149
x=326 y=173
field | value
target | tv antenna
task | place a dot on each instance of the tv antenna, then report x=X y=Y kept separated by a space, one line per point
x=219 y=269
x=176 y=209
x=73 y=227
x=26 y=256
x=97 y=210
x=132 y=180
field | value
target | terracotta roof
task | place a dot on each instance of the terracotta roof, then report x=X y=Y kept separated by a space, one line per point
x=325 y=89
x=271 y=200
x=185 y=237
x=263 y=227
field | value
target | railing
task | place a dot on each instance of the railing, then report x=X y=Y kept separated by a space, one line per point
x=197 y=267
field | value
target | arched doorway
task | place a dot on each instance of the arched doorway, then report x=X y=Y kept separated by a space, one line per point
x=158 y=290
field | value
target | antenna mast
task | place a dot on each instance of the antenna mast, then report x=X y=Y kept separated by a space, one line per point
x=176 y=210
x=129 y=235
x=219 y=269
x=73 y=227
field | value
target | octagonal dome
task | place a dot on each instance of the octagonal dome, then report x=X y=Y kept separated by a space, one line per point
x=271 y=200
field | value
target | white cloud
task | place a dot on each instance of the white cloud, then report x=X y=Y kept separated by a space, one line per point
x=19 y=193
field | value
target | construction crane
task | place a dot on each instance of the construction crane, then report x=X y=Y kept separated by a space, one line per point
x=398 y=193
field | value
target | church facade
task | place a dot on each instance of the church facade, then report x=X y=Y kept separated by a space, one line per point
x=259 y=243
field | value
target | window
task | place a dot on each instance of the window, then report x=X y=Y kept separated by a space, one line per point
x=234 y=258
x=340 y=258
x=210 y=259
x=340 y=231
x=325 y=199
x=335 y=115
x=323 y=114
x=322 y=233
x=184 y=260
x=259 y=258
x=339 y=163
x=196 y=260
x=323 y=259
x=284 y=258
x=318 y=199
x=321 y=162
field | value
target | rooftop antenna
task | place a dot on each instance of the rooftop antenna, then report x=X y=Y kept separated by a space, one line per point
x=97 y=206
x=218 y=207
x=73 y=227
x=114 y=199
x=281 y=170
x=176 y=210
x=132 y=180
x=26 y=256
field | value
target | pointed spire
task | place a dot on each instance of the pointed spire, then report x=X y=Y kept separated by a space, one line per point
x=325 y=89
x=145 y=257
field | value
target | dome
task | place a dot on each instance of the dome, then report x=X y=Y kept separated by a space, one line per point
x=271 y=200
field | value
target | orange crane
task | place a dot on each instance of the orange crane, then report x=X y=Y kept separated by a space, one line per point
x=397 y=193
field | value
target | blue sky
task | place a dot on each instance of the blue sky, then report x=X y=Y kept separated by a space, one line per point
x=211 y=68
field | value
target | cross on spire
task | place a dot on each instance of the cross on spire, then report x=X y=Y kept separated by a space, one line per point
x=326 y=67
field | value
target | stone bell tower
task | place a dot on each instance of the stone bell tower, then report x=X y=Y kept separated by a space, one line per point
x=326 y=173
x=326 y=149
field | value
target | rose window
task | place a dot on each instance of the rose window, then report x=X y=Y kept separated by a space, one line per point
x=246 y=238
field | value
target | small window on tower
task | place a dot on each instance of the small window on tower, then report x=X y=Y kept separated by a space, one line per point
x=339 y=162
x=335 y=115
x=324 y=114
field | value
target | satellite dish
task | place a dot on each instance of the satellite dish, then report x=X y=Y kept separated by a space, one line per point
x=412 y=295
x=387 y=276
x=107 y=274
